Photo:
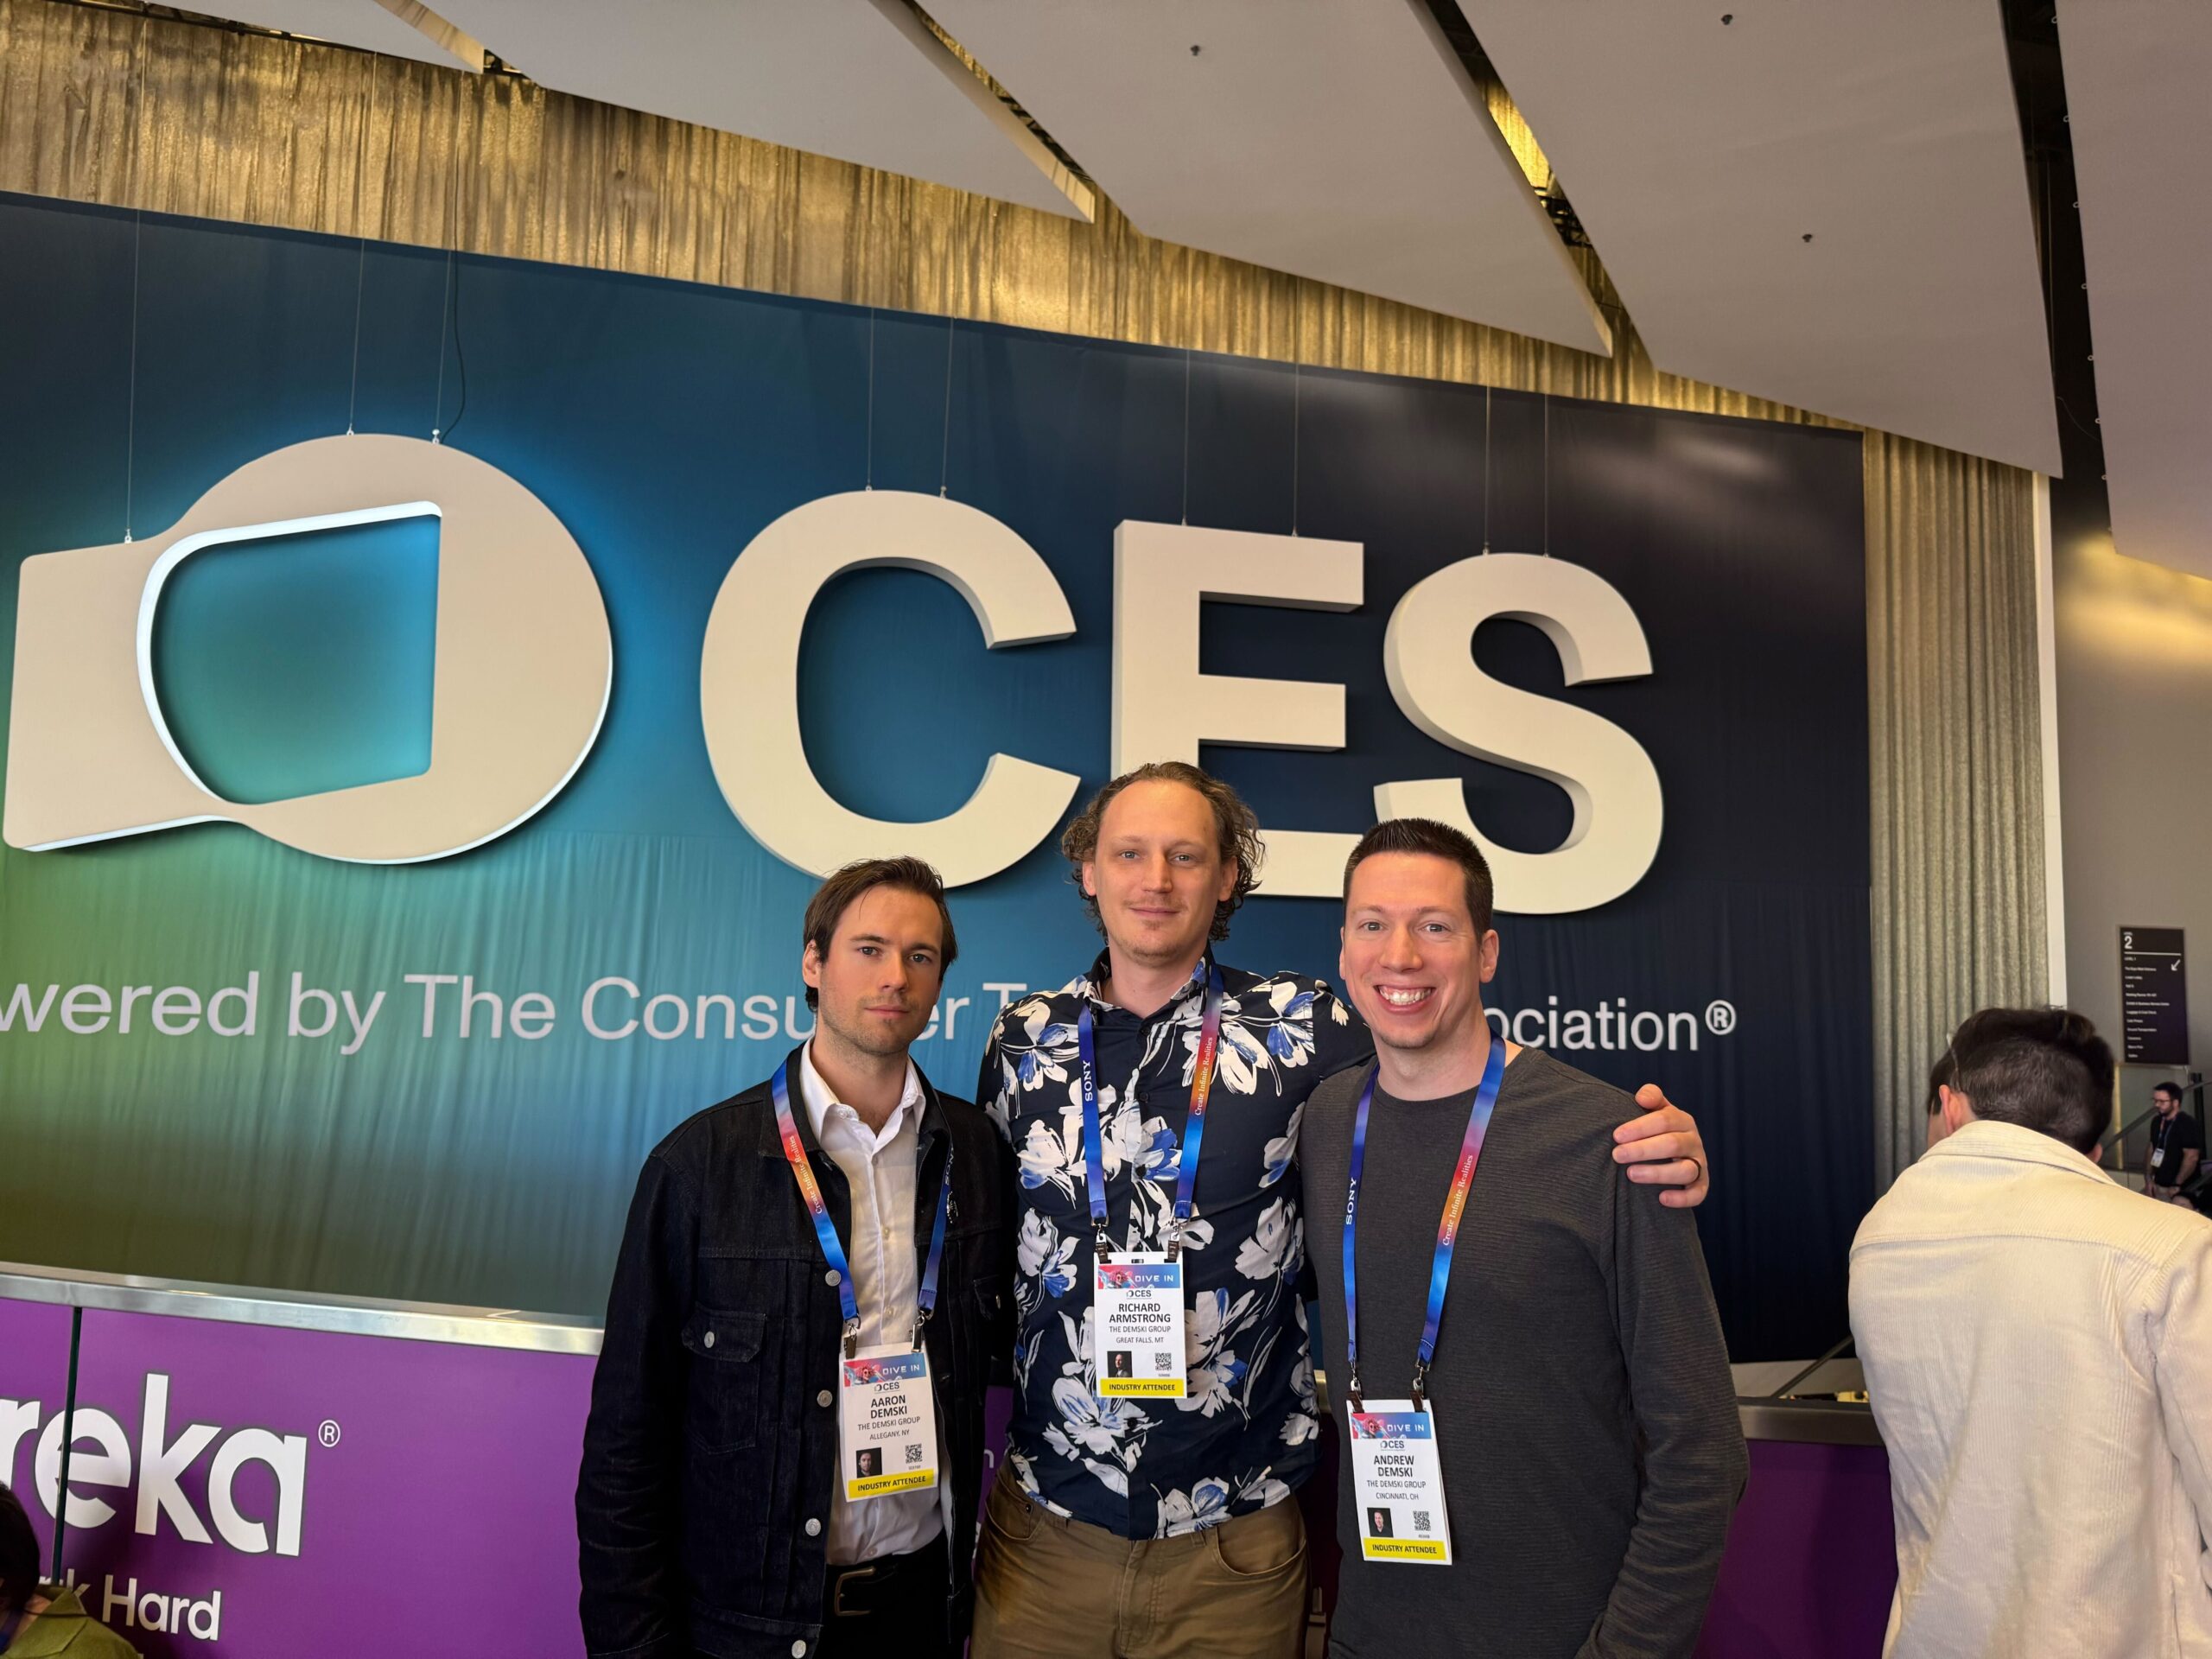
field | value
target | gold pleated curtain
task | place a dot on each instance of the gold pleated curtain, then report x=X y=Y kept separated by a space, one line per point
x=107 y=105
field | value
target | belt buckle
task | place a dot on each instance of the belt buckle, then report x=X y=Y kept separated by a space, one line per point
x=837 y=1608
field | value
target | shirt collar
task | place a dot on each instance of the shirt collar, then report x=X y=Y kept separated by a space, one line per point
x=819 y=1098
x=2014 y=1143
x=1186 y=1004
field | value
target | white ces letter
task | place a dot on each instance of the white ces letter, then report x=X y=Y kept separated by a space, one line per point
x=748 y=679
x=1611 y=781
x=524 y=662
x=1164 y=708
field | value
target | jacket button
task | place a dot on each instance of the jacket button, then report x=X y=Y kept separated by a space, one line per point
x=831 y=1277
x=707 y=1341
x=813 y=1528
x=823 y=1398
x=799 y=1650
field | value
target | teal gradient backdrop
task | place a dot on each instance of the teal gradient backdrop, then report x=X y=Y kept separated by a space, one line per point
x=666 y=424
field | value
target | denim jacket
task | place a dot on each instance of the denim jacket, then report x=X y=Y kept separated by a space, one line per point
x=712 y=1435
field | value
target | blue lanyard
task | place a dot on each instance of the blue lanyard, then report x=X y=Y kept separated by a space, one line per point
x=1194 y=1125
x=817 y=1209
x=1447 y=1232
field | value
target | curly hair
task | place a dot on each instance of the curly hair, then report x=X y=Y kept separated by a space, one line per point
x=1237 y=829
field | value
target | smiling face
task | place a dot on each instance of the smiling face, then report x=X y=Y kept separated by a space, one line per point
x=1158 y=874
x=1412 y=958
x=877 y=980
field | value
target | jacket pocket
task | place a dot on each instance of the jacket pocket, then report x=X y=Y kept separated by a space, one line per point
x=723 y=1400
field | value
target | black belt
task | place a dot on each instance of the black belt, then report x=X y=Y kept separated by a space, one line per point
x=856 y=1591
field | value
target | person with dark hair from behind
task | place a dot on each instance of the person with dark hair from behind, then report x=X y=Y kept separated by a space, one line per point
x=39 y=1618
x=2038 y=1354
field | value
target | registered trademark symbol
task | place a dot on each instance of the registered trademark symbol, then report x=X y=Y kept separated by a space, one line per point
x=1721 y=1017
x=327 y=1433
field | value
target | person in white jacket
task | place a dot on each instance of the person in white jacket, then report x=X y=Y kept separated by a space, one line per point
x=2038 y=1342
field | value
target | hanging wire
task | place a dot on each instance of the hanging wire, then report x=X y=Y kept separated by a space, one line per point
x=131 y=419
x=361 y=270
x=445 y=315
x=1547 y=474
x=1186 y=434
x=944 y=463
x=1485 y=469
x=360 y=285
x=870 y=476
x=1296 y=410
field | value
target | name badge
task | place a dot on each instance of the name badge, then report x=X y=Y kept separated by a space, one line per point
x=2157 y=1156
x=887 y=1422
x=1399 y=1485
x=1137 y=1337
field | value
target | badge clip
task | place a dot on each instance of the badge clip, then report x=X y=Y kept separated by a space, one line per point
x=1420 y=1384
x=1352 y=1391
x=852 y=1337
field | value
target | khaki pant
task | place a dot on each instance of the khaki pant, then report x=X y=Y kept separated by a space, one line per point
x=1048 y=1587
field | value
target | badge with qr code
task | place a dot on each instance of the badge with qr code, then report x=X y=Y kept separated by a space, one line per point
x=887 y=1423
x=1398 y=1485
x=1137 y=1333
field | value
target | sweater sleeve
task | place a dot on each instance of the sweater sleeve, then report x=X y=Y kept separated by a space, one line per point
x=2181 y=1341
x=1692 y=1462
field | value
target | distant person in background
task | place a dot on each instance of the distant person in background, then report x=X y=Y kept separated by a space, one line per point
x=43 y=1618
x=2039 y=1353
x=2177 y=1146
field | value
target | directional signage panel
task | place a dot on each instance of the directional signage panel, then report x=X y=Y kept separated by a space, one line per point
x=2153 y=997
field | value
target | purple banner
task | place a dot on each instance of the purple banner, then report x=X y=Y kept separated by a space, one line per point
x=1811 y=1557
x=248 y=1492
x=266 y=1493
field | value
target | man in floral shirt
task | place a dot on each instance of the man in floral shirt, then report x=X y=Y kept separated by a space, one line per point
x=1134 y=1524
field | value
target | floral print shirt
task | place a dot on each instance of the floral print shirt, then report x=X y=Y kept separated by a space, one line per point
x=1244 y=1435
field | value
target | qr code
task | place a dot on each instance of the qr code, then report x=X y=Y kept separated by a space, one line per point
x=1422 y=1522
x=1163 y=1361
x=913 y=1453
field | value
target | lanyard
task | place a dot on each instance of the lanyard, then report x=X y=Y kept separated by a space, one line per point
x=826 y=1230
x=1447 y=1231
x=1194 y=1126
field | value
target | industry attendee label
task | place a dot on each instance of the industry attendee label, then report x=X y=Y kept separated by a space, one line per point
x=1399 y=1485
x=887 y=1422
x=1138 y=1338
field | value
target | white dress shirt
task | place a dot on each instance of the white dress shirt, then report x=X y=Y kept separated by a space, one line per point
x=879 y=1170
x=2038 y=1342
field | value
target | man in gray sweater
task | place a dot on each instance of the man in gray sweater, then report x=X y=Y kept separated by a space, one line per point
x=1547 y=1467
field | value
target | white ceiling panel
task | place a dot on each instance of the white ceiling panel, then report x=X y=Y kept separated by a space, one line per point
x=1701 y=154
x=863 y=80
x=401 y=30
x=1336 y=139
x=2136 y=77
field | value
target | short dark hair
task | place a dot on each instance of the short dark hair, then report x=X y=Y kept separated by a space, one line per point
x=18 y=1556
x=2167 y=1088
x=838 y=891
x=1944 y=1074
x=1237 y=832
x=2043 y=1069
x=1438 y=841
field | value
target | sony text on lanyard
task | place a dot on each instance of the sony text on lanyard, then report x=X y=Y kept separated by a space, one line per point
x=1397 y=1478
x=1137 y=1340
x=887 y=1408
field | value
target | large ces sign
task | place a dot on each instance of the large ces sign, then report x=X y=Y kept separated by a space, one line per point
x=524 y=664
x=709 y=591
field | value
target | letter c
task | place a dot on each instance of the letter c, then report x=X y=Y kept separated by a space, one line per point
x=748 y=680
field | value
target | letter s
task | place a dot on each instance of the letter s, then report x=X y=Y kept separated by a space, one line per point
x=1427 y=655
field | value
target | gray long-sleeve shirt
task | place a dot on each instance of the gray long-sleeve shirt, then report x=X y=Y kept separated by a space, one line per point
x=1585 y=1417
